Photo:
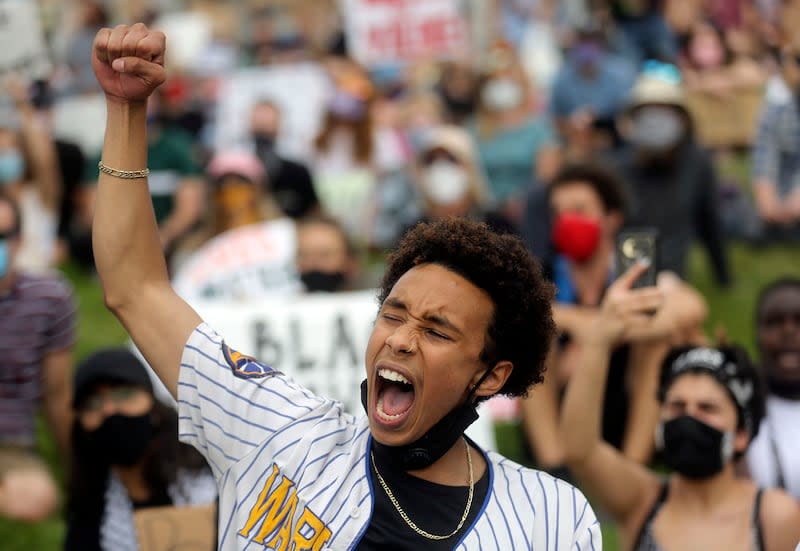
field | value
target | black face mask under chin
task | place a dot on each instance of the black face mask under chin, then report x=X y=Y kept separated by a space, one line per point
x=432 y=445
x=692 y=448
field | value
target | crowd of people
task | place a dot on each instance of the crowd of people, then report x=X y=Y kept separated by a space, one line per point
x=481 y=195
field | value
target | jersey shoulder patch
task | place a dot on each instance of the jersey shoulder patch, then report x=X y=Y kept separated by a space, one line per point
x=244 y=366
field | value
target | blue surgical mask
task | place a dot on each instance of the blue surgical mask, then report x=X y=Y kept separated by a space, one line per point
x=4 y=246
x=12 y=167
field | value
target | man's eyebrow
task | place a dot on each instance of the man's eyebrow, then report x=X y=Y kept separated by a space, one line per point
x=431 y=318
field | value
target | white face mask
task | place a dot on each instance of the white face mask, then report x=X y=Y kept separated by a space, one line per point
x=657 y=128
x=445 y=182
x=501 y=94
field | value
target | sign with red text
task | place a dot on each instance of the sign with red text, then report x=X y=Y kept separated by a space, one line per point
x=386 y=31
x=242 y=264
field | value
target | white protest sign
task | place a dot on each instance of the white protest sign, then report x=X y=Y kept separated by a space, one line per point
x=242 y=264
x=317 y=339
x=22 y=45
x=300 y=91
x=189 y=35
x=386 y=31
x=82 y=121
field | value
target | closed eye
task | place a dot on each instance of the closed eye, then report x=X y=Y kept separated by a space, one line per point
x=437 y=334
x=390 y=317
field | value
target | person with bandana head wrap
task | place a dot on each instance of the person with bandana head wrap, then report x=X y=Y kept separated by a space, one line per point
x=711 y=404
x=771 y=458
x=464 y=314
x=124 y=455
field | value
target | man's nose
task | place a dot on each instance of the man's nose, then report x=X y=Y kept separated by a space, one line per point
x=402 y=340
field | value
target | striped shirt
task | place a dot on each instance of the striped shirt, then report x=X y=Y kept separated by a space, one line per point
x=292 y=468
x=37 y=317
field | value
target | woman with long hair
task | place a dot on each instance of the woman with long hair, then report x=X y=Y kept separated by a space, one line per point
x=711 y=404
x=125 y=456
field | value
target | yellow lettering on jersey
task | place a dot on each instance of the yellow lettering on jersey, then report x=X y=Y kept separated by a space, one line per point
x=260 y=508
x=313 y=542
x=277 y=508
x=285 y=514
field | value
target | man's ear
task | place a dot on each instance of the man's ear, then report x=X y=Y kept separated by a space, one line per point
x=494 y=381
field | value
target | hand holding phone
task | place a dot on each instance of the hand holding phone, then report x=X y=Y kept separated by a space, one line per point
x=634 y=245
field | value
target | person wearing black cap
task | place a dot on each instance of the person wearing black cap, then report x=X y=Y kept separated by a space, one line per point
x=124 y=454
x=712 y=402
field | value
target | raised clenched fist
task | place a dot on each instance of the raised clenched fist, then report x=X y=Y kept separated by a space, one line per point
x=129 y=62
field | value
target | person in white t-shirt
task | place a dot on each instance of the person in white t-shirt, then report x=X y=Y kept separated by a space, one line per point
x=772 y=458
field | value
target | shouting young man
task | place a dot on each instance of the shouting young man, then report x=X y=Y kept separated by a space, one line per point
x=464 y=315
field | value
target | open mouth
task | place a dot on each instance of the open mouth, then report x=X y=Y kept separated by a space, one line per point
x=395 y=396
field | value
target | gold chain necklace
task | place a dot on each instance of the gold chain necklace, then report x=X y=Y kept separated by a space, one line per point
x=410 y=522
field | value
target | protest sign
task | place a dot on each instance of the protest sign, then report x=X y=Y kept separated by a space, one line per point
x=189 y=35
x=389 y=31
x=176 y=528
x=300 y=91
x=729 y=121
x=82 y=121
x=22 y=45
x=242 y=264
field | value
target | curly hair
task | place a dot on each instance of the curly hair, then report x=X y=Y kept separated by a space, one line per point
x=522 y=327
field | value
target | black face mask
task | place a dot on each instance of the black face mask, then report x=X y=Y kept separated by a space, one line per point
x=328 y=282
x=264 y=141
x=693 y=448
x=122 y=439
x=265 y=149
x=432 y=445
x=458 y=106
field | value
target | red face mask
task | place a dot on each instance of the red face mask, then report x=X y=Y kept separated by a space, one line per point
x=576 y=236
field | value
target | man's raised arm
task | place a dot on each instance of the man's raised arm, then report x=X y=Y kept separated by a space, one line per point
x=129 y=65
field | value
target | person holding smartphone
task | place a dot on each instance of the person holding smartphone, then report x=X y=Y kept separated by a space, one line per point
x=588 y=206
x=711 y=402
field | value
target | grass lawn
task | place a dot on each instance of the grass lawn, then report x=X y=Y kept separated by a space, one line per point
x=730 y=308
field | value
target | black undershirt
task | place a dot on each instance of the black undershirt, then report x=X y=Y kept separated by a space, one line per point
x=435 y=508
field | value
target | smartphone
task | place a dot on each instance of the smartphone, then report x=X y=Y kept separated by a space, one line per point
x=634 y=244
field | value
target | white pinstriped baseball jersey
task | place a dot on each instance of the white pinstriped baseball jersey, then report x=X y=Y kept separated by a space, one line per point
x=292 y=467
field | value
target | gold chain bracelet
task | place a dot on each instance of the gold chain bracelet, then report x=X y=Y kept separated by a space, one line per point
x=124 y=174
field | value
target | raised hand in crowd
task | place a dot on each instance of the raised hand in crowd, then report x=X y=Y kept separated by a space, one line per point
x=705 y=424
